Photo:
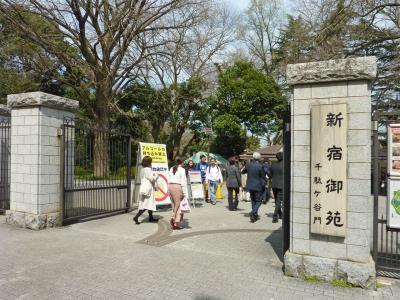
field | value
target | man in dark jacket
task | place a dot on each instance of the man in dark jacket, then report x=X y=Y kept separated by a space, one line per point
x=255 y=182
x=277 y=186
x=265 y=195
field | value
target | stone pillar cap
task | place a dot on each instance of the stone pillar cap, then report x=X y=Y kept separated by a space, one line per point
x=4 y=110
x=41 y=99
x=355 y=68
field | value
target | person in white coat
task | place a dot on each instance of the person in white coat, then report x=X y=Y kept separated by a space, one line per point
x=147 y=200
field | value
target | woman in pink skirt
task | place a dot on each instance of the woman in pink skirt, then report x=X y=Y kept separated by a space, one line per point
x=177 y=190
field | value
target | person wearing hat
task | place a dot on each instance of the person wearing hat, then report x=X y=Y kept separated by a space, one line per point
x=255 y=183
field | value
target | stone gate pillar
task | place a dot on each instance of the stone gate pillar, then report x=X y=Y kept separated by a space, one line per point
x=315 y=250
x=36 y=119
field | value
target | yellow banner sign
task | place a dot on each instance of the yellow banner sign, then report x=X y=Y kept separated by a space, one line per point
x=157 y=152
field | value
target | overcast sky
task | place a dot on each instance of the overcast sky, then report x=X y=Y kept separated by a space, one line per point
x=241 y=5
x=238 y=4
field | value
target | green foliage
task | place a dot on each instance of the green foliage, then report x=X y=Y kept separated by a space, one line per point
x=230 y=137
x=25 y=66
x=82 y=173
x=253 y=98
x=122 y=172
x=341 y=283
x=312 y=279
x=167 y=113
x=378 y=284
x=252 y=143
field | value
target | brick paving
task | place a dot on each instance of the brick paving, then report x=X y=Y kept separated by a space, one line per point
x=221 y=256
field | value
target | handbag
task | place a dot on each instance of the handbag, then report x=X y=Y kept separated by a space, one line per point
x=184 y=206
x=145 y=188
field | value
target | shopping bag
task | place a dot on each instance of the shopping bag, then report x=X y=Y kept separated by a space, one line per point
x=184 y=206
x=145 y=188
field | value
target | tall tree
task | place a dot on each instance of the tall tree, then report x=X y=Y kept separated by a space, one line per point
x=181 y=74
x=261 y=32
x=252 y=97
x=230 y=137
x=24 y=66
x=108 y=40
x=377 y=32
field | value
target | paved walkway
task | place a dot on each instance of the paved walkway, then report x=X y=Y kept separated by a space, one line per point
x=221 y=255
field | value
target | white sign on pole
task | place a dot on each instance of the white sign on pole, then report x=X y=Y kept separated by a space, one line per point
x=196 y=186
x=158 y=153
x=393 y=166
x=394 y=150
x=393 y=205
x=329 y=169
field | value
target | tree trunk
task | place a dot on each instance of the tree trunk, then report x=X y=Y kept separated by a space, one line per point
x=101 y=160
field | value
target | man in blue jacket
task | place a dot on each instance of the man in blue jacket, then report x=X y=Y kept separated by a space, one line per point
x=202 y=166
x=255 y=183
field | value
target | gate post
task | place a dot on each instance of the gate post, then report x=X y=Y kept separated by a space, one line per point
x=36 y=119
x=317 y=248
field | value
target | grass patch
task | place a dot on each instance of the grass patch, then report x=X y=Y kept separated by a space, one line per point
x=341 y=283
x=378 y=284
x=312 y=279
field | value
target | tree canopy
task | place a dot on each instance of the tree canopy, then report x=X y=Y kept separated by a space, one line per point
x=254 y=98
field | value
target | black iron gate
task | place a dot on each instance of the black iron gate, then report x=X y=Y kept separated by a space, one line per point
x=386 y=246
x=4 y=165
x=286 y=182
x=95 y=173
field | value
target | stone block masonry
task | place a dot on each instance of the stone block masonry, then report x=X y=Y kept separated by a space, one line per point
x=35 y=158
x=347 y=82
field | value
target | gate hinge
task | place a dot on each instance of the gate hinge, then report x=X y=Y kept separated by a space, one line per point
x=59 y=132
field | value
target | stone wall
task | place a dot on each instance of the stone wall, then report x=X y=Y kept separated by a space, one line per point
x=36 y=119
x=326 y=256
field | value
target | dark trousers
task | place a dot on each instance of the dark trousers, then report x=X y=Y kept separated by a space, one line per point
x=265 y=195
x=278 y=202
x=233 y=204
x=255 y=197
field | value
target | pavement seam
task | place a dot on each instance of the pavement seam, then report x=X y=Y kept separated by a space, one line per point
x=163 y=236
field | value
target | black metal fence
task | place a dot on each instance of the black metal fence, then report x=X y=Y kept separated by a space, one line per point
x=5 y=130
x=386 y=247
x=96 y=172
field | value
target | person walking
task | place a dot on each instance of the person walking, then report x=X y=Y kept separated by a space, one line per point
x=146 y=191
x=177 y=190
x=233 y=183
x=202 y=166
x=277 y=186
x=213 y=178
x=255 y=181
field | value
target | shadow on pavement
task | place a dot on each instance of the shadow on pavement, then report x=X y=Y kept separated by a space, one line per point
x=275 y=240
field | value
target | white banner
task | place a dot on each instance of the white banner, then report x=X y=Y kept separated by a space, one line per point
x=394 y=149
x=195 y=185
x=158 y=153
x=393 y=205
